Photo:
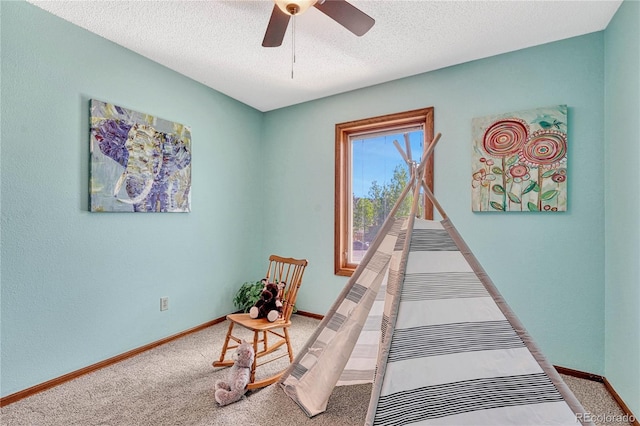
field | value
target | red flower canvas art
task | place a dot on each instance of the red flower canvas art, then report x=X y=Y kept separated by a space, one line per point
x=519 y=161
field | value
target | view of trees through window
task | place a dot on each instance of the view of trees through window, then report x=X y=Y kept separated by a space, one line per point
x=378 y=176
x=370 y=175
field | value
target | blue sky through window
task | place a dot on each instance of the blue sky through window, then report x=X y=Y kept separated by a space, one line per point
x=373 y=159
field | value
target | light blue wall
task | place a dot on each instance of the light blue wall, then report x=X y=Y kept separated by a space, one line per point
x=622 y=220
x=549 y=267
x=80 y=287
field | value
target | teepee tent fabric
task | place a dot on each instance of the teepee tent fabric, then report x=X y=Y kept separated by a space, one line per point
x=423 y=322
x=326 y=358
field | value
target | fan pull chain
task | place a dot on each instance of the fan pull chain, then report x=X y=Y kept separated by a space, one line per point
x=293 y=44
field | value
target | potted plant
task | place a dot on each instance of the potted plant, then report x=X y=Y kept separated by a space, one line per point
x=247 y=295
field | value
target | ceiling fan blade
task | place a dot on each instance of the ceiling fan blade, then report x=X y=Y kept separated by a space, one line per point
x=276 y=29
x=347 y=15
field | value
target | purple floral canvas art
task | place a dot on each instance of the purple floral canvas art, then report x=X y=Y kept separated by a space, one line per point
x=519 y=161
x=139 y=163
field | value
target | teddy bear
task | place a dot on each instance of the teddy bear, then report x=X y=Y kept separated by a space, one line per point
x=234 y=389
x=269 y=305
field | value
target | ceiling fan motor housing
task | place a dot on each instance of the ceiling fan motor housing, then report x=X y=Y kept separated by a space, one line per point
x=294 y=7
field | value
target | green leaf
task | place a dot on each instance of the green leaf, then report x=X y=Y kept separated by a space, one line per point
x=498 y=189
x=532 y=207
x=497 y=206
x=514 y=198
x=497 y=170
x=548 y=173
x=549 y=195
x=530 y=187
x=512 y=160
x=247 y=295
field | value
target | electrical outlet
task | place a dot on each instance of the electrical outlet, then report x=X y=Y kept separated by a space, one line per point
x=164 y=303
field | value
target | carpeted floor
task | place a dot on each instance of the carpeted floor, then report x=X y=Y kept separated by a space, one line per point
x=173 y=385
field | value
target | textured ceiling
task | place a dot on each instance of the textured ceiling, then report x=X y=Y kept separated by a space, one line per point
x=218 y=43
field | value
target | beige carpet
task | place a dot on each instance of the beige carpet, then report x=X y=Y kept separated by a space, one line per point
x=173 y=385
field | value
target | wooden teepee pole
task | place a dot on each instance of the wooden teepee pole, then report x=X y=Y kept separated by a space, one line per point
x=419 y=174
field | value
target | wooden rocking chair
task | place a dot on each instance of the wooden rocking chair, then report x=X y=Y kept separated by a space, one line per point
x=281 y=269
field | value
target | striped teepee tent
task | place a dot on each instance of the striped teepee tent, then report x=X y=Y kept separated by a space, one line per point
x=422 y=321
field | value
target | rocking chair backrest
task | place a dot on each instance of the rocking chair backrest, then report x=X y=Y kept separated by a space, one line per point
x=289 y=271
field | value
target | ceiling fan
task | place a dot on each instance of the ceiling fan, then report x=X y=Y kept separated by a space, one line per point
x=340 y=11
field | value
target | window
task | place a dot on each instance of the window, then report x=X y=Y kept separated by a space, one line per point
x=370 y=174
